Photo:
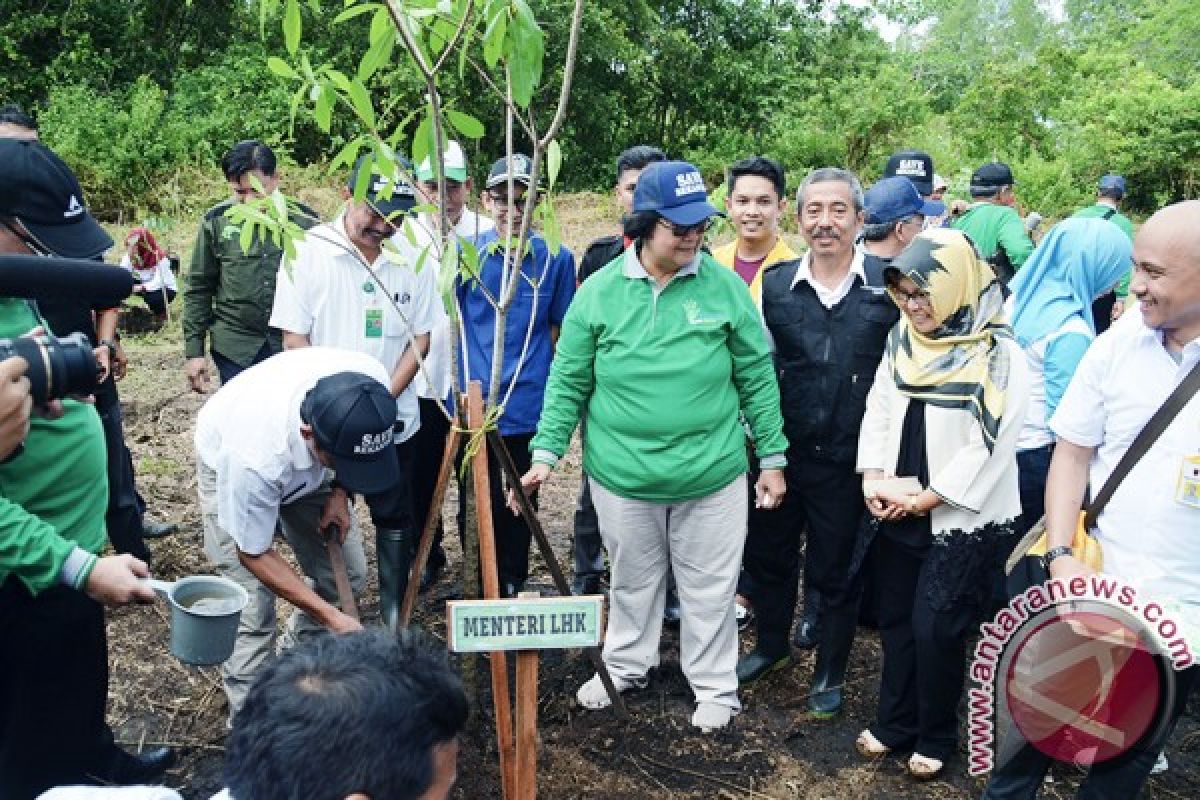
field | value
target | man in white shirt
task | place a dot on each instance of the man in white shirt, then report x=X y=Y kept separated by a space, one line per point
x=434 y=382
x=265 y=443
x=352 y=286
x=1148 y=530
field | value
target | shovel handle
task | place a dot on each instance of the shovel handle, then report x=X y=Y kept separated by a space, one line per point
x=341 y=579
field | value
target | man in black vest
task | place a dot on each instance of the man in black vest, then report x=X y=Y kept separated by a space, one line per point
x=828 y=317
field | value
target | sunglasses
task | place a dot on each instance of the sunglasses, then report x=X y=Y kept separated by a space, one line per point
x=684 y=230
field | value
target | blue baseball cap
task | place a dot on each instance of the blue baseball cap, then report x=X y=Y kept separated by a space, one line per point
x=674 y=190
x=1112 y=183
x=896 y=198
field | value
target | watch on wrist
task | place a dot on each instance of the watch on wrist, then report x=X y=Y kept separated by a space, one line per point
x=1055 y=552
x=110 y=344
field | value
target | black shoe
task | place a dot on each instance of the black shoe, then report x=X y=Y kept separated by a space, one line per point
x=129 y=769
x=808 y=629
x=587 y=583
x=756 y=665
x=833 y=654
x=157 y=530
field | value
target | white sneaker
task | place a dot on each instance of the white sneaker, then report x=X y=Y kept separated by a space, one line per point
x=593 y=696
x=710 y=717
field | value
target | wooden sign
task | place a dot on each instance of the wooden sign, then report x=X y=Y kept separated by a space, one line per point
x=524 y=623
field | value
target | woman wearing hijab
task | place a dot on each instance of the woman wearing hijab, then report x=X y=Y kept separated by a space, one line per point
x=1077 y=261
x=661 y=350
x=151 y=267
x=944 y=413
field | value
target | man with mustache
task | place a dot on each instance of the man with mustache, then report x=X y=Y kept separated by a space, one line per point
x=828 y=317
x=352 y=286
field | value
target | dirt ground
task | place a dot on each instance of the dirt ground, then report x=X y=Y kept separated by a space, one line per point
x=773 y=751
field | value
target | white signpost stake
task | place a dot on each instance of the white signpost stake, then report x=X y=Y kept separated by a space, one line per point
x=526 y=624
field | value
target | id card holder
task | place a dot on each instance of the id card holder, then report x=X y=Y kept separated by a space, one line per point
x=373 y=323
x=1187 y=488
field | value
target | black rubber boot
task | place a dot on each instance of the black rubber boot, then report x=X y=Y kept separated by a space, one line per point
x=833 y=653
x=808 y=629
x=395 y=550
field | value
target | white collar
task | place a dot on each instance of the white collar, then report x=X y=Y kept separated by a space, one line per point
x=804 y=271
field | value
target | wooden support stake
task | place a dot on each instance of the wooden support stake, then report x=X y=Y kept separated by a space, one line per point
x=430 y=526
x=491 y=590
x=341 y=578
x=527 y=714
x=560 y=580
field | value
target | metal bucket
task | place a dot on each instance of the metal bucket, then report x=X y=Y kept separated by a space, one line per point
x=205 y=612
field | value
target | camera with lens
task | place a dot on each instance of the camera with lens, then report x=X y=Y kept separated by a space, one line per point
x=57 y=366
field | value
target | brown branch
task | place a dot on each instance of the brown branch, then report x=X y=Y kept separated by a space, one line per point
x=568 y=76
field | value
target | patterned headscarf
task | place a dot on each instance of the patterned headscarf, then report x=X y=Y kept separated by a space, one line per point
x=147 y=254
x=961 y=364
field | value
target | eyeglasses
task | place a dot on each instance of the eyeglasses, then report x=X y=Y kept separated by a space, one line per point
x=684 y=230
x=502 y=197
x=920 y=296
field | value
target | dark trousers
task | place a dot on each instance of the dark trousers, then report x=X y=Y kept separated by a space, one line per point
x=827 y=500
x=229 y=369
x=924 y=655
x=123 y=519
x=511 y=532
x=1032 y=468
x=428 y=447
x=588 y=547
x=1118 y=779
x=393 y=509
x=53 y=689
x=156 y=302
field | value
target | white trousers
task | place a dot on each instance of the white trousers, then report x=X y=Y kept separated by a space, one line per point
x=256 y=638
x=701 y=541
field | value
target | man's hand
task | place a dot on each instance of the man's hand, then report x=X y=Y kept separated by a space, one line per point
x=339 y=622
x=770 y=489
x=196 y=370
x=15 y=404
x=103 y=363
x=116 y=581
x=120 y=363
x=530 y=482
x=336 y=512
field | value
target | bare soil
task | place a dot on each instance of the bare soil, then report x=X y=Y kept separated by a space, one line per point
x=774 y=750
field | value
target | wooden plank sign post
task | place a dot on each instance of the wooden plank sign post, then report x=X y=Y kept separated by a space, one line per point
x=525 y=624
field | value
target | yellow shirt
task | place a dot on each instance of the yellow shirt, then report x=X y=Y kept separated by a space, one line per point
x=780 y=252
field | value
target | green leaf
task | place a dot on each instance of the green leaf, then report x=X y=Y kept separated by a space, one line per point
x=291 y=26
x=423 y=146
x=246 y=237
x=363 y=180
x=355 y=11
x=551 y=231
x=465 y=124
x=524 y=49
x=346 y=156
x=553 y=162
x=380 y=51
x=323 y=109
x=281 y=67
x=493 y=38
x=360 y=100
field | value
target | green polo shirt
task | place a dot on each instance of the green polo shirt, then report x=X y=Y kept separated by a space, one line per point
x=992 y=226
x=54 y=494
x=661 y=373
x=227 y=294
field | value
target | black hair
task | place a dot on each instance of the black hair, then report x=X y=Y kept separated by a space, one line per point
x=11 y=114
x=762 y=167
x=985 y=191
x=355 y=713
x=1112 y=193
x=638 y=157
x=246 y=156
x=878 y=231
x=640 y=224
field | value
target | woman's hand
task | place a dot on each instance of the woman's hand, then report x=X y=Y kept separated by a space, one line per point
x=888 y=505
x=770 y=489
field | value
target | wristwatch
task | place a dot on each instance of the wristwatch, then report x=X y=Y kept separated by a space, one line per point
x=110 y=344
x=1055 y=552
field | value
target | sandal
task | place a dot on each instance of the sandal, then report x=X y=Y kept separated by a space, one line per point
x=869 y=747
x=924 y=768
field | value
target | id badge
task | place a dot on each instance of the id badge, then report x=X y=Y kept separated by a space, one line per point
x=1187 y=489
x=373 y=323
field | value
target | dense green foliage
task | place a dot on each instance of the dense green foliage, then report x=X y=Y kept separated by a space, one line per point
x=134 y=93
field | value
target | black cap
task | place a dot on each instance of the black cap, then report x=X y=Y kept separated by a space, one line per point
x=40 y=190
x=991 y=176
x=914 y=165
x=352 y=416
x=392 y=198
x=519 y=167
